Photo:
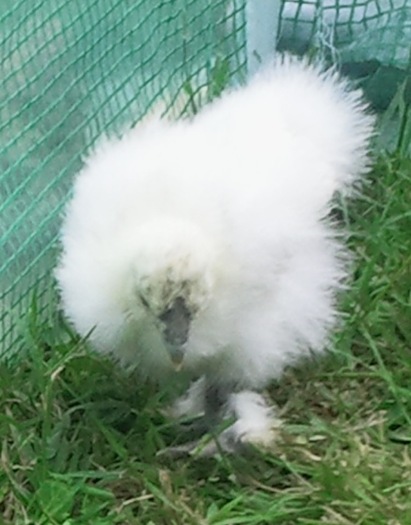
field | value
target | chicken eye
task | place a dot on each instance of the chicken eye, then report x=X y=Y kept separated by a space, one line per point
x=144 y=301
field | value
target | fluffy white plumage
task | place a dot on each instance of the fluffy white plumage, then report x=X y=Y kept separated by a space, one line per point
x=208 y=240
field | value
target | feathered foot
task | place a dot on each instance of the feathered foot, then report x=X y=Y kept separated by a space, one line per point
x=250 y=420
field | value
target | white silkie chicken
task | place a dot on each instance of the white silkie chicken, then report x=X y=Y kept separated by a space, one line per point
x=204 y=244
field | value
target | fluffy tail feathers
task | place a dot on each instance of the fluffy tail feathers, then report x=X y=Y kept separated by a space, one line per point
x=305 y=121
x=329 y=111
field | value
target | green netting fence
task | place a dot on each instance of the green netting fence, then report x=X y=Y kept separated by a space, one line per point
x=74 y=69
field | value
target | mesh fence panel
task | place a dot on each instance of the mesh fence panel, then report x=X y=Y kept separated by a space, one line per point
x=72 y=70
x=370 y=39
x=357 y=31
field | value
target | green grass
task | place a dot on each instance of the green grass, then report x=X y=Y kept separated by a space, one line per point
x=79 y=438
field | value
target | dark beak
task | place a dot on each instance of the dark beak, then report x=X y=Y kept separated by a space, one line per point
x=176 y=321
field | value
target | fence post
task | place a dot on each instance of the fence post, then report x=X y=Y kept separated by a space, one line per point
x=262 y=18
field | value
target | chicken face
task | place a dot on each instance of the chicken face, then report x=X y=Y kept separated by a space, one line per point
x=173 y=279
